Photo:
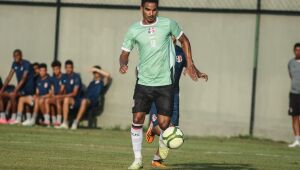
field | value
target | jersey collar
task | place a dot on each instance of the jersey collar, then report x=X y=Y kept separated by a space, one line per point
x=144 y=25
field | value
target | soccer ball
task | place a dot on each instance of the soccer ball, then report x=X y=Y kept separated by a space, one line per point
x=173 y=137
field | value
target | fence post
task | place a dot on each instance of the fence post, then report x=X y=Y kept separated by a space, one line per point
x=254 y=74
x=57 y=28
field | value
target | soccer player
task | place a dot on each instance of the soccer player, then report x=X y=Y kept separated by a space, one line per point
x=43 y=87
x=294 y=111
x=54 y=102
x=156 y=62
x=100 y=81
x=25 y=75
x=72 y=84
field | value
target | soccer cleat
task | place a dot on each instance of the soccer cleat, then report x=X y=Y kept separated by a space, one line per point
x=62 y=126
x=3 y=121
x=74 y=126
x=150 y=135
x=163 y=150
x=136 y=165
x=158 y=164
x=296 y=143
x=14 y=122
x=26 y=122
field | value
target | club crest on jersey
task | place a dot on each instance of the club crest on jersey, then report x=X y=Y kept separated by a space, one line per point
x=151 y=30
x=179 y=59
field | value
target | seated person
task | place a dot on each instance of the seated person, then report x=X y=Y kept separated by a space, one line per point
x=5 y=104
x=24 y=73
x=43 y=86
x=53 y=103
x=71 y=82
x=95 y=88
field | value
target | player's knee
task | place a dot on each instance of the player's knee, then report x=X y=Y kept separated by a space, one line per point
x=66 y=100
x=138 y=119
x=164 y=124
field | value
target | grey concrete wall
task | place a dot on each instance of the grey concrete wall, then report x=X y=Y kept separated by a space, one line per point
x=31 y=29
x=223 y=46
x=278 y=36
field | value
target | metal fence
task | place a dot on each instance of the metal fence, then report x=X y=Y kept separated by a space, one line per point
x=263 y=5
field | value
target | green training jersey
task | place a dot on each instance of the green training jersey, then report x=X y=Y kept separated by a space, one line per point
x=154 y=47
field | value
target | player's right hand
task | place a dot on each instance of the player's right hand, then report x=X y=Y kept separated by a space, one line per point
x=123 y=69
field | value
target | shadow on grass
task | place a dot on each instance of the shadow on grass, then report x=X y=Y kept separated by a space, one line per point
x=212 y=166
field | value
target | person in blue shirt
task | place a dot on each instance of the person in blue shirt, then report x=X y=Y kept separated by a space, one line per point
x=42 y=91
x=72 y=85
x=90 y=99
x=154 y=129
x=54 y=103
x=24 y=73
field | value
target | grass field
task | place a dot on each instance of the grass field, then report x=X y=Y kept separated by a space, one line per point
x=48 y=148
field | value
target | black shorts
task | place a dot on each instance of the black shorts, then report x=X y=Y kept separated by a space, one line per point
x=162 y=96
x=294 y=109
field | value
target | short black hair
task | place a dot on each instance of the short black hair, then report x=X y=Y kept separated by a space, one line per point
x=296 y=46
x=153 y=1
x=43 y=65
x=56 y=63
x=36 y=64
x=69 y=62
x=18 y=51
x=97 y=67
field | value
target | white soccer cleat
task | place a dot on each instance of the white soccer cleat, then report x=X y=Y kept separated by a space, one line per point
x=26 y=122
x=74 y=126
x=296 y=143
x=62 y=126
x=15 y=122
x=163 y=150
x=136 y=165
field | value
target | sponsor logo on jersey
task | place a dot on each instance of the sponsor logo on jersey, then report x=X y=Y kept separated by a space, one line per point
x=151 y=30
x=22 y=68
x=46 y=85
x=179 y=59
x=97 y=82
x=72 y=82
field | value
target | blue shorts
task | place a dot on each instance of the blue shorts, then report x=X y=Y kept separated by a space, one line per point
x=27 y=91
x=79 y=100
x=175 y=114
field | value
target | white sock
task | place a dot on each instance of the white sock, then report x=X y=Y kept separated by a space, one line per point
x=34 y=116
x=2 y=115
x=13 y=116
x=47 y=118
x=75 y=122
x=156 y=157
x=137 y=140
x=66 y=122
x=58 y=119
x=28 y=116
x=19 y=117
x=53 y=119
x=297 y=138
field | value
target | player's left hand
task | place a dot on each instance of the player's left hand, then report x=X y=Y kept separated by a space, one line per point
x=202 y=75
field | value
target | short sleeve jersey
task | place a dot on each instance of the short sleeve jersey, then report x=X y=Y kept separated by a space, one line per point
x=153 y=45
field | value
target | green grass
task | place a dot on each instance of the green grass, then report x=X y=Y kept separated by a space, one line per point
x=48 y=148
